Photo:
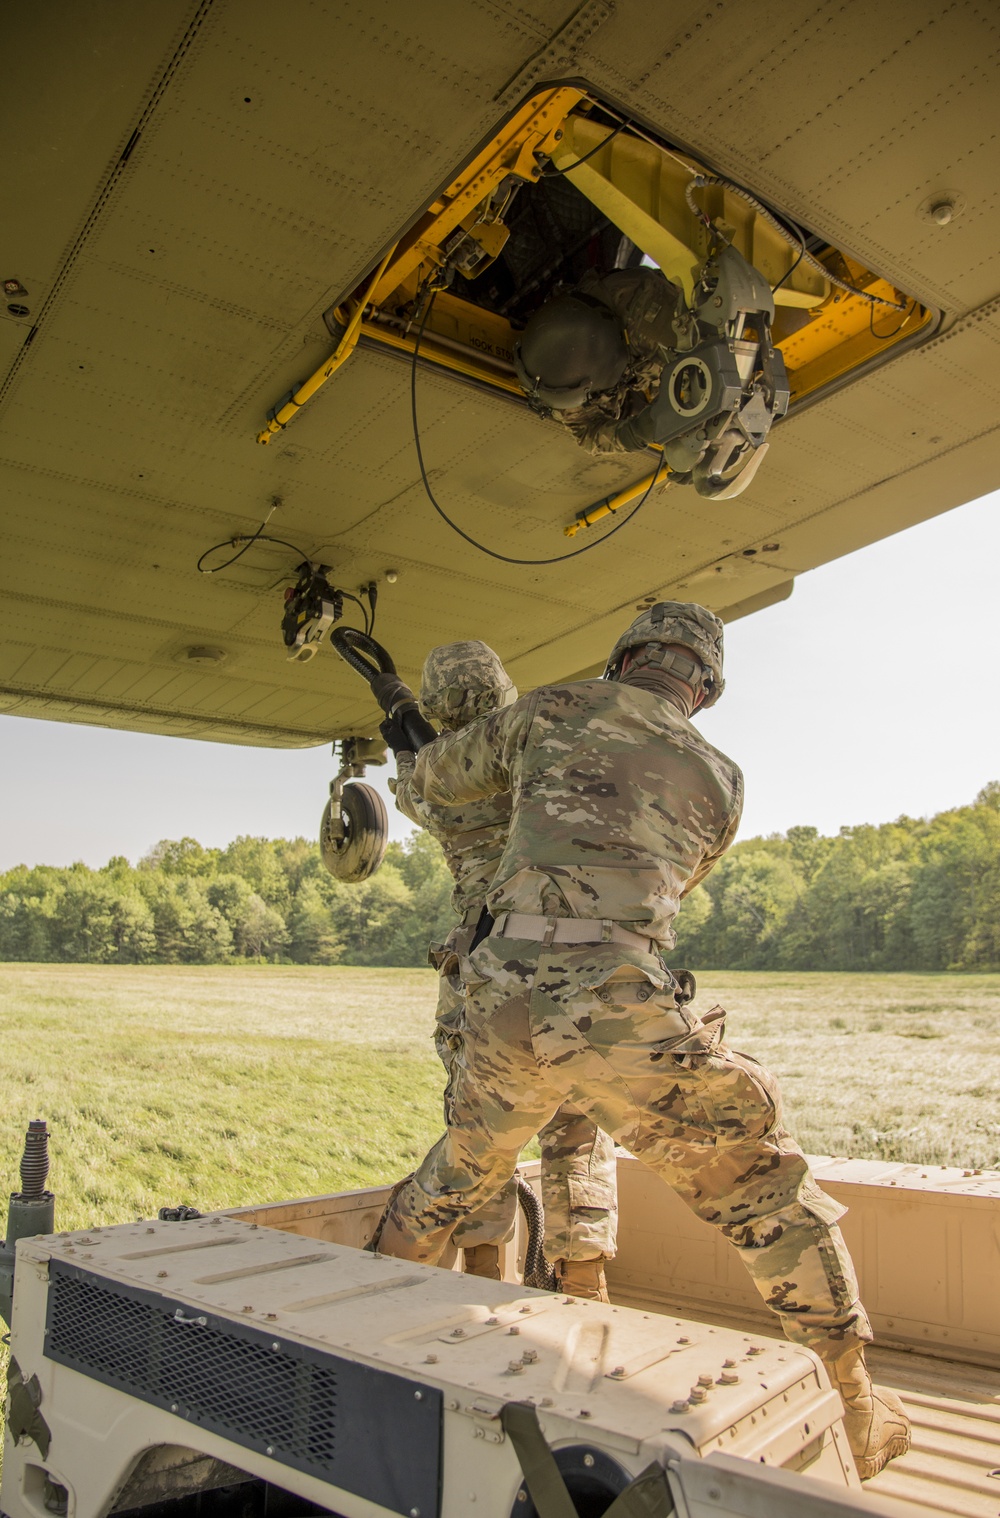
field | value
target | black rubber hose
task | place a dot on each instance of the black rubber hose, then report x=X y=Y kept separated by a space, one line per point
x=537 y=1270
x=352 y=645
x=374 y=664
x=418 y=730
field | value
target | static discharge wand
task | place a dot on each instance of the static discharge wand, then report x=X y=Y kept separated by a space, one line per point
x=404 y=726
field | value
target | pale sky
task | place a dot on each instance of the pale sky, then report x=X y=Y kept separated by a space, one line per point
x=872 y=692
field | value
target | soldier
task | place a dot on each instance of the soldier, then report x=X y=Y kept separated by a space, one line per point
x=461 y=682
x=621 y=808
x=592 y=358
x=624 y=363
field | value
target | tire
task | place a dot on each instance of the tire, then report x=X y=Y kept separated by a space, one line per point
x=357 y=855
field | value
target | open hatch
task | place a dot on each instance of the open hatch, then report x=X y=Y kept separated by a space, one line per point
x=566 y=187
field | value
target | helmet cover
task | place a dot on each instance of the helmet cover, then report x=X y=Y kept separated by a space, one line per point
x=463 y=681
x=571 y=348
x=683 y=623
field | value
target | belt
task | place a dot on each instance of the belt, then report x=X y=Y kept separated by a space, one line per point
x=549 y=930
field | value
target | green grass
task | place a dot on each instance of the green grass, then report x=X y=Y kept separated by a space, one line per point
x=879 y=1067
x=215 y=1086
x=222 y=1086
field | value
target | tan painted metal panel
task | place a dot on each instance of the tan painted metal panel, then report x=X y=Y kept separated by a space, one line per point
x=268 y=179
x=925 y=1240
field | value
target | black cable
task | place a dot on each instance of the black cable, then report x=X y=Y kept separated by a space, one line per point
x=232 y=543
x=503 y=557
x=789 y=272
x=884 y=337
x=364 y=612
x=552 y=171
x=258 y=537
x=262 y=537
x=700 y=181
x=537 y=1270
x=353 y=646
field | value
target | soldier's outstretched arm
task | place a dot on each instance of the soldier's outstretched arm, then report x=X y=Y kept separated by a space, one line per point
x=406 y=801
x=476 y=762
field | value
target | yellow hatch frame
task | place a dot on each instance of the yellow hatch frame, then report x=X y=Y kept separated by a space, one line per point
x=824 y=332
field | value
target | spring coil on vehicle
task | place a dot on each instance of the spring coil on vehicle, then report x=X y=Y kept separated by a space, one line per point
x=35 y=1160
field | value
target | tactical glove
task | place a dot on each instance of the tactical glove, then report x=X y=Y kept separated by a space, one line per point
x=404 y=727
x=393 y=732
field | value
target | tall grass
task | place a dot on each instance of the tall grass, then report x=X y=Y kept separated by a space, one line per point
x=215 y=1086
x=221 y=1086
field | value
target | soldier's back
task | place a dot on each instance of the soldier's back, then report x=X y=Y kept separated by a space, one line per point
x=619 y=804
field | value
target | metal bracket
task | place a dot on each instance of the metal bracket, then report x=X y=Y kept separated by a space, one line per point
x=355 y=755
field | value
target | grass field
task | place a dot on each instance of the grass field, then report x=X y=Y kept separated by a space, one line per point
x=220 y=1086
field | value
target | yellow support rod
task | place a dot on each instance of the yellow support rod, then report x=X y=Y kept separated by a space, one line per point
x=613 y=503
x=284 y=413
x=533 y=129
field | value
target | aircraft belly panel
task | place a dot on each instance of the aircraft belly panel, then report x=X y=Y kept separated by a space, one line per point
x=178 y=304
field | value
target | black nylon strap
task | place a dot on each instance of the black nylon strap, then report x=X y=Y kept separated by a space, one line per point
x=648 y=1496
x=542 y=1476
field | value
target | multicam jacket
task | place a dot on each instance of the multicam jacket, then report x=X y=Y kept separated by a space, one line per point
x=472 y=835
x=620 y=805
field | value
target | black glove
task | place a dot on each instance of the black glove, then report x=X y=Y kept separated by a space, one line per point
x=393 y=732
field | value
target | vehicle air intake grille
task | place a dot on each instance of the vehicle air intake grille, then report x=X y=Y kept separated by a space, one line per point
x=364 y=1430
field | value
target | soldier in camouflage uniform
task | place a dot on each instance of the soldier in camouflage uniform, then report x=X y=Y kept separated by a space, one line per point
x=462 y=682
x=593 y=357
x=620 y=809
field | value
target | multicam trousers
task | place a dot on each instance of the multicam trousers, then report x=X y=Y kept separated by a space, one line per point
x=578 y=1171
x=598 y=1026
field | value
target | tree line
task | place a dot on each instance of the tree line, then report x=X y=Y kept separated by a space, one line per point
x=914 y=894
x=260 y=899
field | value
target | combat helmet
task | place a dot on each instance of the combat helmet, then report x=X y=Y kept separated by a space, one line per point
x=573 y=347
x=462 y=681
x=685 y=623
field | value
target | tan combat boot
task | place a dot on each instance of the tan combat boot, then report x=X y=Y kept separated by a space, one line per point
x=483 y=1260
x=583 y=1278
x=875 y=1421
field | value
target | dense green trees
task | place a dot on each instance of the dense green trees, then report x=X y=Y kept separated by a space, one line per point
x=258 y=899
x=909 y=895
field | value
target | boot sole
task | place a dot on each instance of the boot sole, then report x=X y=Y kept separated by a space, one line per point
x=892 y=1451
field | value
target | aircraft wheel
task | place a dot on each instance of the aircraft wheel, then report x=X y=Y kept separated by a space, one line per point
x=357 y=855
